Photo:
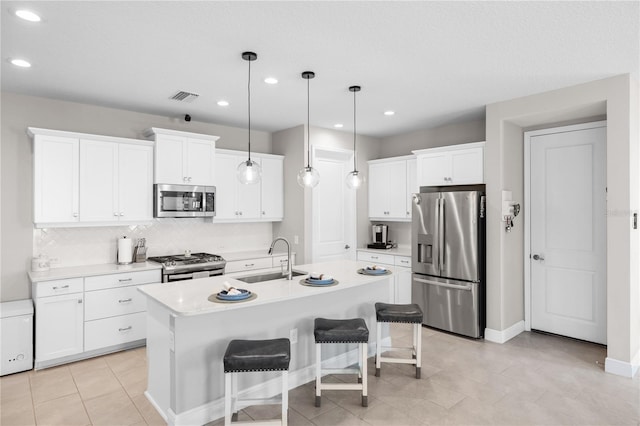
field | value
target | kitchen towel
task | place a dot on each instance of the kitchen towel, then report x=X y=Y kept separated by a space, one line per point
x=125 y=250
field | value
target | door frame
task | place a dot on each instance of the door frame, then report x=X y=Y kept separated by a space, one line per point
x=527 y=205
x=346 y=156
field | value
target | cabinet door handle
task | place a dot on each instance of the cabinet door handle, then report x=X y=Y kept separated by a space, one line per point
x=374 y=257
x=75 y=215
x=189 y=179
x=124 y=280
x=79 y=300
x=240 y=213
x=125 y=300
x=125 y=329
x=115 y=214
x=248 y=265
x=184 y=178
x=60 y=288
x=263 y=213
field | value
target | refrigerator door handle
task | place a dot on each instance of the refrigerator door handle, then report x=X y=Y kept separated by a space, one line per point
x=441 y=234
x=439 y=284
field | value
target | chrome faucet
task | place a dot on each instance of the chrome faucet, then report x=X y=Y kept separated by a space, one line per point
x=273 y=243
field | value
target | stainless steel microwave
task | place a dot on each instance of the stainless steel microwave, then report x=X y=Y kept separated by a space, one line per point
x=184 y=201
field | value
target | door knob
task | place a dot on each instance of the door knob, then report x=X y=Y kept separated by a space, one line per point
x=347 y=246
x=538 y=257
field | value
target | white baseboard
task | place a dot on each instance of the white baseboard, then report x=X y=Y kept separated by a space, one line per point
x=215 y=409
x=503 y=336
x=620 y=368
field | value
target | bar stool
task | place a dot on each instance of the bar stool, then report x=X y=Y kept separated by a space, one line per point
x=412 y=314
x=255 y=355
x=341 y=331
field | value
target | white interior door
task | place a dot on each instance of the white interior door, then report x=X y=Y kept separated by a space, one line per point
x=568 y=231
x=333 y=207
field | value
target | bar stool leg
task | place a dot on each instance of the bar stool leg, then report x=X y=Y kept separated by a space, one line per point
x=418 y=345
x=285 y=396
x=227 y=399
x=378 y=347
x=363 y=363
x=318 y=374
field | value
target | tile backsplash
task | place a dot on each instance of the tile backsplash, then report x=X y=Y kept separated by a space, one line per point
x=95 y=245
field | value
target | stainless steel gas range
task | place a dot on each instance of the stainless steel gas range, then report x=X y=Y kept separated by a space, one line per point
x=188 y=266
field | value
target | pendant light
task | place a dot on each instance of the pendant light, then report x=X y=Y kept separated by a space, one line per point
x=249 y=172
x=355 y=179
x=308 y=177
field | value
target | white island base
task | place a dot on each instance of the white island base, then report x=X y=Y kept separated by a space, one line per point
x=187 y=335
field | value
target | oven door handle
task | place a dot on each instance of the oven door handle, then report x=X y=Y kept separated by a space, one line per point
x=177 y=277
x=189 y=275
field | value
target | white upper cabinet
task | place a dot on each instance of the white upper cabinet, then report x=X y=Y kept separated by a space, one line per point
x=55 y=178
x=183 y=158
x=249 y=203
x=116 y=181
x=390 y=183
x=82 y=179
x=451 y=165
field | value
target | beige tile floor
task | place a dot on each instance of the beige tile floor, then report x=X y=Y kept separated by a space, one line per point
x=533 y=379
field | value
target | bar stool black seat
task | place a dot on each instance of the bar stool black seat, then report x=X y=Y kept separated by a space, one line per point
x=399 y=313
x=341 y=331
x=244 y=356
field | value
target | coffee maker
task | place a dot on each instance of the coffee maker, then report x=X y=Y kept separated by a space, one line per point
x=379 y=234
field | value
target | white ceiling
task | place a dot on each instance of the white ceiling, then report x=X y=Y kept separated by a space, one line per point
x=433 y=63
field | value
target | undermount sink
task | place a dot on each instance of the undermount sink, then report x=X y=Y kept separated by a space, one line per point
x=268 y=276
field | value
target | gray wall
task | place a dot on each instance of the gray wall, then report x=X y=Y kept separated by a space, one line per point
x=452 y=134
x=292 y=143
x=395 y=146
x=503 y=168
x=18 y=113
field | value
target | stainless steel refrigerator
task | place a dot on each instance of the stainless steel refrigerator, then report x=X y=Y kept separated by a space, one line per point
x=448 y=258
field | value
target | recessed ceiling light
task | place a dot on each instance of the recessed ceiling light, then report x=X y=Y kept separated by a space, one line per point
x=223 y=103
x=20 y=63
x=27 y=15
x=338 y=126
x=271 y=80
x=389 y=113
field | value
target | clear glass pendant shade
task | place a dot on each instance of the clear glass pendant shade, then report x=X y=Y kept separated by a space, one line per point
x=355 y=180
x=308 y=177
x=249 y=172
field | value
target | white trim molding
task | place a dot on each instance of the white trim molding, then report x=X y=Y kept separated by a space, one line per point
x=503 y=336
x=620 y=368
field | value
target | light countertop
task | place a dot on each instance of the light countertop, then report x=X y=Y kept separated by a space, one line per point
x=90 y=270
x=190 y=297
x=398 y=251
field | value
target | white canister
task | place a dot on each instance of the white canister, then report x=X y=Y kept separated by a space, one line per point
x=40 y=263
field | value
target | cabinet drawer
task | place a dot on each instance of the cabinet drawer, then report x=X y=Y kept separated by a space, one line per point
x=119 y=280
x=248 y=264
x=282 y=260
x=113 y=302
x=57 y=287
x=114 y=331
x=403 y=261
x=366 y=256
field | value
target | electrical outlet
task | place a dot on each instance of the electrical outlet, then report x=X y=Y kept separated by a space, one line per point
x=293 y=335
x=295 y=239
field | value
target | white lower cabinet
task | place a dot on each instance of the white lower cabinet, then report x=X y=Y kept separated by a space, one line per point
x=112 y=331
x=400 y=266
x=87 y=316
x=59 y=313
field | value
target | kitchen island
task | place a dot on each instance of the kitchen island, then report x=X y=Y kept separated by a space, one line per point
x=187 y=334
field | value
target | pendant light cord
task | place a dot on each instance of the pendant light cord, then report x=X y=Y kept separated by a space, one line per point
x=354 y=132
x=249 y=108
x=308 y=137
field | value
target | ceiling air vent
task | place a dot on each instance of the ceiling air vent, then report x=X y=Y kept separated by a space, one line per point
x=185 y=96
